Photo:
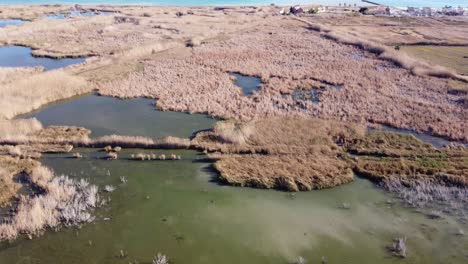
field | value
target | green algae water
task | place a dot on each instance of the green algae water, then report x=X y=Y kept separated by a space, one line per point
x=178 y=209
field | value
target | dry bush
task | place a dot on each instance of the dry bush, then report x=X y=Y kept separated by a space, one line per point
x=20 y=151
x=64 y=201
x=233 y=132
x=9 y=168
x=8 y=188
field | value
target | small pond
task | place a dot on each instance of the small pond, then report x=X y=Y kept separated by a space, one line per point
x=133 y=117
x=18 y=56
x=10 y=22
x=248 y=84
x=78 y=13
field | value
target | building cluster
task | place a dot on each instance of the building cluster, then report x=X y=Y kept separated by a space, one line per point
x=415 y=11
x=381 y=10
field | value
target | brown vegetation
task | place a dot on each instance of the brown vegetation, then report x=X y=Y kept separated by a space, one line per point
x=383 y=155
x=416 y=66
x=128 y=29
x=288 y=154
x=304 y=154
x=31 y=91
x=373 y=90
x=63 y=201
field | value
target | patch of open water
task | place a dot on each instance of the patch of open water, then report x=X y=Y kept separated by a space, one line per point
x=11 y=22
x=248 y=84
x=18 y=56
x=178 y=208
x=131 y=117
x=78 y=13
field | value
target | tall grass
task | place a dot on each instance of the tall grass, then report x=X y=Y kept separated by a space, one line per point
x=33 y=91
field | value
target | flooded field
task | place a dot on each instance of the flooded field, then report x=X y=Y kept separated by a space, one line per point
x=17 y=56
x=133 y=117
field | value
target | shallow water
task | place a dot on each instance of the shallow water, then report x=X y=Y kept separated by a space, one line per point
x=437 y=142
x=12 y=22
x=77 y=13
x=133 y=117
x=17 y=56
x=177 y=208
x=249 y=84
x=173 y=207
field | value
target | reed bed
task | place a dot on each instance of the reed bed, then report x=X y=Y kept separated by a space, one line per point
x=374 y=90
x=281 y=153
x=33 y=91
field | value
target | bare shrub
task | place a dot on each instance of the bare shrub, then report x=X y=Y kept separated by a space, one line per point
x=109 y=188
x=64 y=201
x=426 y=193
x=160 y=259
x=399 y=247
